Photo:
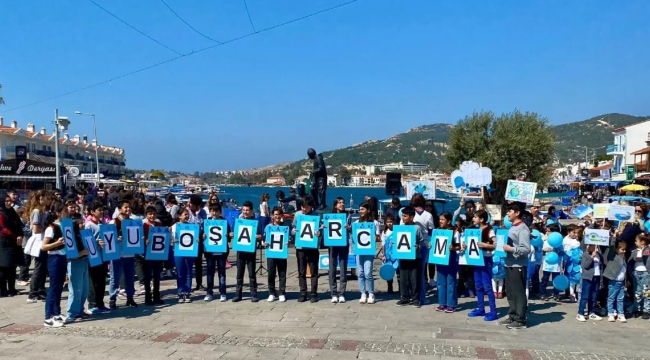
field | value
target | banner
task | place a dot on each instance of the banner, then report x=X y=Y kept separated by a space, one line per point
x=596 y=237
x=522 y=191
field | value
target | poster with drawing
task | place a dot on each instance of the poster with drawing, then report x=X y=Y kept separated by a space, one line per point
x=522 y=191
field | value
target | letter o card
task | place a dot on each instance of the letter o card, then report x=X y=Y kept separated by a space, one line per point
x=245 y=235
x=473 y=254
x=405 y=241
x=363 y=238
x=187 y=237
x=67 y=228
x=159 y=243
x=277 y=241
x=132 y=237
x=306 y=228
x=216 y=236
x=441 y=240
x=94 y=256
x=335 y=230
x=108 y=234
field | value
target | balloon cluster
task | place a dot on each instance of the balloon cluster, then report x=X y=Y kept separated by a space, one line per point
x=498 y=267
x=572 y=261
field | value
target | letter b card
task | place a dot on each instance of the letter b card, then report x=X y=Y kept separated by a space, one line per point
x=159 y=243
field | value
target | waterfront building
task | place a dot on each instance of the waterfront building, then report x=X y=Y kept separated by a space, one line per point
x=630 y=146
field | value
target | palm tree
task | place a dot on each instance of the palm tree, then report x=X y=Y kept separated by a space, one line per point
x=2 y=101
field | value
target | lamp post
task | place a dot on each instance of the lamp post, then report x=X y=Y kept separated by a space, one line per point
x=96 y=142
x=60 y=123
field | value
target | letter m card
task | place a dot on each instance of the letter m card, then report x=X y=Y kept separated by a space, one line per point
x=159 y=243
x=336 y=232
x=277 y=241
x=441 y=240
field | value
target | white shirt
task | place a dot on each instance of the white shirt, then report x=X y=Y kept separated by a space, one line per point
x=123 y=239
x=49 y=233
x=264 y=209
x=569 y=244
x=425 y=221
x=491 y=234
x=548 y=267
x=597 y=266
x=639 y=265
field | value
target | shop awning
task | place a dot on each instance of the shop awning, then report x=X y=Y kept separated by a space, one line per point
x=27 y=178
x=642 y=151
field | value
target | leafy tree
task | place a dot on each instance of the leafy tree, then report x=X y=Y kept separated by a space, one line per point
x=237 y=179
x=2 y=100
x=602 y=157
x=158 y=174
x=511 y=145
x=343 y=175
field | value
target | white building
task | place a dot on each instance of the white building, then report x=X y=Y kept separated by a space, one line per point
x=409 y=167
x=73 y=151
x=628 y=140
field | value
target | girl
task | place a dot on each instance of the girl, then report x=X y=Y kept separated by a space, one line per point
x=183 y=264
x=11 y=255
x=338 y=256
x=447 y=274
x=615 y=273
x=264 y=210
x=483 y=274
x=425 y=220
x=78 y=280
x=40 y=201
x=57 y=265
x=431 y=268
x=549 y=271
x=365 y=262
x=276 y=265
x=591 y=263
x=465 y=272
x=640 y=275
x=385 y=248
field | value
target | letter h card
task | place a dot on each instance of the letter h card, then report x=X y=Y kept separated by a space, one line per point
x=277 y=241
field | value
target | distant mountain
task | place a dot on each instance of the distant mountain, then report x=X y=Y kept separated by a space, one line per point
x=428 y=144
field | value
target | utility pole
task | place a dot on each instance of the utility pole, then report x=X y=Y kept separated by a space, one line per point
x=56 y=149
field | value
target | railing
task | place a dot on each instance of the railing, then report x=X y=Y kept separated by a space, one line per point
x=615 y=148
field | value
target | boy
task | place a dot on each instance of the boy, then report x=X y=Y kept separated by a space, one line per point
x=124 y=265
x=411 y=270
x=517 y=250
x=151 y=268
x=246 y=260
x=276 y=264
x=197 y=215
x=639 y=257
x=217 y=260
x=97 y=273
x=307 y=257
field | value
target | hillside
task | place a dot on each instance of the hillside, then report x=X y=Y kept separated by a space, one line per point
x=427 y=144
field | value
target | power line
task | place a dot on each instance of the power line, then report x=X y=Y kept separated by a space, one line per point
x=188 y=25
x=249 y=16
x=185 y=55
x=134 y=28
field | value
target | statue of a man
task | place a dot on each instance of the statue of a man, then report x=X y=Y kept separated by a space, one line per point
x=318 y=179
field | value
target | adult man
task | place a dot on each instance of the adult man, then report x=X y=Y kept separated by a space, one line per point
x=197 y=215
x=517 y=250
x=393 y=211
x=319 y=179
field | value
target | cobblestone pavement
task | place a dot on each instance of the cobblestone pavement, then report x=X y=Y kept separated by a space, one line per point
x=293 y=330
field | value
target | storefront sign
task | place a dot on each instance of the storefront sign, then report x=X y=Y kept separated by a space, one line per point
x=26 y=167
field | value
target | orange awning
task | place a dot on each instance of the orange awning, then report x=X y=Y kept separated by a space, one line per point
x=642 y=151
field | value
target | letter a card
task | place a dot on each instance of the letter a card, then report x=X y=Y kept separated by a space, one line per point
x=441 y=240
x=132 y=237
x=473 y=254
x=306 y=228
x=187 y=237
x=216 y=236
x=111 y=250
x=405 y=241
x=67 y=228
x=363 y=238
x=277 y=241
x=94 y=256
x=336 y=232
x=159 y=242
x=245 y=233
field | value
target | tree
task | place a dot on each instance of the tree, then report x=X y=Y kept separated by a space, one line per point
x=343 y=174
x=603 y=157
x=237 y=178
x=2 y=100
x=157 y=174
x=511 y=145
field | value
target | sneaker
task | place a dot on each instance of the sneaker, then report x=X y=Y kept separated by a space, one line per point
x=594 y=317
x=505 y=321
x=334 y=300
x=271 y=298
x=313 y=299
x=131 y=303
x=88 y=312
x=342 y=299
x=476 y=312
x=207 y=297
x=255 y=299
x=32 y=300
x=363 y=299
x=581 y=318
x=53 y=324
x=441 y=308
x=188 y=299
x=22 y=283
x=516 y=326
x=302 y=298
x=450 y=310
x=181 y=298
x=94 y=311
x=223 y=298
x=371 y=298
x=282 y=298
x=491 y=316
x=112 y=305
x=60 y=319
x=611 y=318
x=621 y=318
x=402 y=302
x=416 y=303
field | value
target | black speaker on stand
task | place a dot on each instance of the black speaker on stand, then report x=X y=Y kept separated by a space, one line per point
x=393 y=183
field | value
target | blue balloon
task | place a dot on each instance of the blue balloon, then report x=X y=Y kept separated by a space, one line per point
x=536 y=239
x=555 y=240
x=387 y=272
x=576 y=269
x=496 y=259
x=576 y=257
x=552 y=258
x=459 y=182
x=550 y=222
x=507 y=223
x=561 y=283
x=495 y=270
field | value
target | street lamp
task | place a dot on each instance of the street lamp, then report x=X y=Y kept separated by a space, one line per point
x=96 y=142
x=60 y=123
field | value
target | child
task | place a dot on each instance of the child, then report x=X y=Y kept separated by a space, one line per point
x=307 y=257
x=465 y=286
x=125 y=265
x=77 y=279
x=98 y=273
x=216 y=260
x=152 y=268
x=641 y=280
x=247 y=260
x=183 y=263
x=338 y=256
x=549 y=271
x=615 y=273
x=447 y=281
x=537 y=256
x=591 y=263
x=276 y=265
x=384 y=252
x=570 y=242
x=53 y=243
x=483 y=274
x=365 y=263
x=411 y=270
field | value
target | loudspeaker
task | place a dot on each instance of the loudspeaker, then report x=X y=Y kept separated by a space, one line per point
x=393 y=183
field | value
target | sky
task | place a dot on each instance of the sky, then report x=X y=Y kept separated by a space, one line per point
x=367 y=70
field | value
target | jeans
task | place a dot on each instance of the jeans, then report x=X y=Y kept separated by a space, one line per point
x=483 y=284
x=37 y=285
x=641 y=279
x=57 y=265
x=198 y=266
x=424 y=261
x=218 y=263
x=183 y=274
x=97 y=287
x=307 y=257
x=121 y=266
x=615 y=293
x=588 y=295
x=516 y=290
x=364 y=269
x=246 y=261
x=338 y=257
x=77 y=286
x=279 y=266
x=447 y=283
x=542 y=284
x=410 y=272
